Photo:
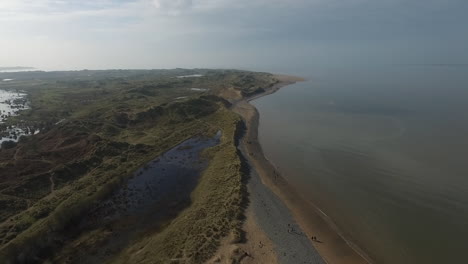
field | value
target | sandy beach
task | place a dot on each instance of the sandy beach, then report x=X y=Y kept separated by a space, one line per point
x=278 y=214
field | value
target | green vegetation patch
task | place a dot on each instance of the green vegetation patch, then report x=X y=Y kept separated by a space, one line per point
x=216 y=209
x=97 y=129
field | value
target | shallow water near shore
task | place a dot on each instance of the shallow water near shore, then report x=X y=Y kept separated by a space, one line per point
x=381 y=151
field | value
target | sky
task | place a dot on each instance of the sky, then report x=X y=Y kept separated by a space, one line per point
x=248 y=34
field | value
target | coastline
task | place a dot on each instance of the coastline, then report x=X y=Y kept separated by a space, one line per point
x=333 y=247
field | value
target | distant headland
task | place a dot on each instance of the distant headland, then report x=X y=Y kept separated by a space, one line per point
x=16 y=69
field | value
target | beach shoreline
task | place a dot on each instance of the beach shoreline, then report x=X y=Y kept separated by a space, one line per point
x=331 y=246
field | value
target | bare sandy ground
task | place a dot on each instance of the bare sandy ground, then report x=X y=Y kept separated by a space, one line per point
x=257 y=247
x=278 y=215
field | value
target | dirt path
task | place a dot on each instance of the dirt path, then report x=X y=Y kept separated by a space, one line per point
x=15 y=157
x=52 y=183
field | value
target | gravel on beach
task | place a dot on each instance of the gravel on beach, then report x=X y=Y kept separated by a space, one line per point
x=291 y=243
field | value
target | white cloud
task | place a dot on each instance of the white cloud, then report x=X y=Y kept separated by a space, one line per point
x=173 y=6
x=115 y=33
x=48 y=9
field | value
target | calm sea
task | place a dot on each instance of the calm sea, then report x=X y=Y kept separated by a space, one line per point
x=383 y=151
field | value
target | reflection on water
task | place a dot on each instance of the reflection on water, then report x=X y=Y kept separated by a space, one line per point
x=154 y=196
x=162 y=186
x=10 y=104
x=383 y=152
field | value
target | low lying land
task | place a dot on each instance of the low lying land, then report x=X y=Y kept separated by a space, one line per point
x=98 y=128
x=150 y=166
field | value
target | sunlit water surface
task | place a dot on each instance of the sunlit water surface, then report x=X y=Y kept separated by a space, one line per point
x=383 y=152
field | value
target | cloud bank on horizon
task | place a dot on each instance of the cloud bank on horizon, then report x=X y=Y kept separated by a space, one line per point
x=75 y=34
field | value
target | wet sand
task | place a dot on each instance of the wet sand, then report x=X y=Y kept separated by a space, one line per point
x=287 y=219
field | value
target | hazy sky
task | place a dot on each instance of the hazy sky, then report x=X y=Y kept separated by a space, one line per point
x=255 y=34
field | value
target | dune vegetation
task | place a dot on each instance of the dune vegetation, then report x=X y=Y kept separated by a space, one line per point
x=97 y=128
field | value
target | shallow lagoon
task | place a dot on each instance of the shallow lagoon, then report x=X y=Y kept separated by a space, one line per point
x=163 y=186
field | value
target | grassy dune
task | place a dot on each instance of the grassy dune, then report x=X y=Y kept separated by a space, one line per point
x=216 y=209
x=97 y=129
